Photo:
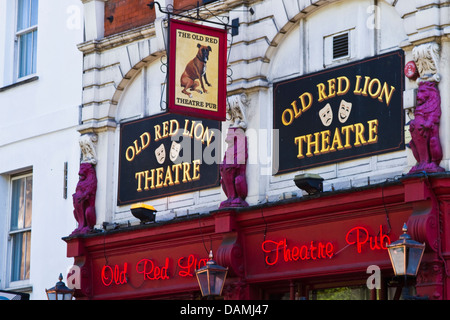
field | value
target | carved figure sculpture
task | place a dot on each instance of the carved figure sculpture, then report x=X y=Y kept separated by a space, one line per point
x=84 y=199
x=237 y=108
x=87 y=146
x=233 y=169
x=425 y=144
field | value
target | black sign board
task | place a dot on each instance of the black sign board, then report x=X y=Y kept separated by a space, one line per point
x=342 y=113
x=167 y=154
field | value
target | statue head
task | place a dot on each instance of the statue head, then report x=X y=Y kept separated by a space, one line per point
x=427 y=91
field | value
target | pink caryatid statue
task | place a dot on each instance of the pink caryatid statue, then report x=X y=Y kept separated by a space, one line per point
x=84 y=199
x=425 y=143
x=233 y=169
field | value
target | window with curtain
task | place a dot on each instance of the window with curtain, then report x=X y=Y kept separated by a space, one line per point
x=20 y=226
x=26 y=37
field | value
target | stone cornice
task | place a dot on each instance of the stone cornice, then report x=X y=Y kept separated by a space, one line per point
x=118 y=39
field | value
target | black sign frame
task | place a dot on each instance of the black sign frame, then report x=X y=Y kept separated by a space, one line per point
x=140 y=174
x=296 y=113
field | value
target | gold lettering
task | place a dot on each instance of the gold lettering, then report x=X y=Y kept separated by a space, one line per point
x=139 y=176
x=359 y=135
x=340 y=91
x=297 y=112
x=185 y=132
x=302 y=100
x=159 y=177
x=314 y=143
x=196 y=170
x=208 y=136
x=386 y=93
x=151 y=178
x=336 y=141
x=127 y=156
x=283 y=118
x=299 y=142
x=177 y=168
x=136 y=147
x=165 y=129
x=374 y=95
x=168 y=177
x=200 y=136
x=157 y=132
x=346 y=130
x=331 y=88
x=373 y=131
x=318 y=143
x=321 y=90
x=325 y=141
x=145 y=144
x=366 y=84
x=186 y=175
x=172 y=130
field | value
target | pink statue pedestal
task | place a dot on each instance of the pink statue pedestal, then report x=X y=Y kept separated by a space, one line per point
x=233 y=169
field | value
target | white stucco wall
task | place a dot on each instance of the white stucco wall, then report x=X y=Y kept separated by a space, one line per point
x=38 y=131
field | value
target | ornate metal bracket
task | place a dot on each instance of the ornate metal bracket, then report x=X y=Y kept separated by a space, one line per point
x=170 y=11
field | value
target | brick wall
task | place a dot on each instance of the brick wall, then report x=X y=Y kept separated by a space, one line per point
x=127 y=14
x=186 y=4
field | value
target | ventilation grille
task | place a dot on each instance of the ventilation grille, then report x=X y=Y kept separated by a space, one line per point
x=340 y=46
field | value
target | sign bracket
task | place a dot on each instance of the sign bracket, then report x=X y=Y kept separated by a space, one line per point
x=170 y=11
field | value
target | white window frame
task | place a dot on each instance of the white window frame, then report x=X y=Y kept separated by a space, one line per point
x=25 y=283
x=17 y=36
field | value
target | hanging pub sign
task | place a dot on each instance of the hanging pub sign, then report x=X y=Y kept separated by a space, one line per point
x=343 y=113
x=167 y=154
x=197 y=70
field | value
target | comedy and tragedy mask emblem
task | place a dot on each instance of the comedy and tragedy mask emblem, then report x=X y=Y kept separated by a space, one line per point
x=326 y=115
x=160 y=154
x=344 y=111
x=174 y=151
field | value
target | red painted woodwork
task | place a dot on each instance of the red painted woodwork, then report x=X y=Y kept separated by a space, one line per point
x=350 y=229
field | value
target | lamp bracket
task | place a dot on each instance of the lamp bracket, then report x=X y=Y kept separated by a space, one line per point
x=169 y=10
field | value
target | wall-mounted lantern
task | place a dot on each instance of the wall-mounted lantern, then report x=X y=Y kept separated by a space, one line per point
x=59 y=291
x=211 y=278
x=406 y=254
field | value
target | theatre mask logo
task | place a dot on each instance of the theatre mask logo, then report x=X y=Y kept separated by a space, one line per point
x=197 y=70
x=167 y=154
x=348 y=112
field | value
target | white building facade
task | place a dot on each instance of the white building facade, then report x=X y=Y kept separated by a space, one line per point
x=117 y=77
x=40 y=99
x=277 y=40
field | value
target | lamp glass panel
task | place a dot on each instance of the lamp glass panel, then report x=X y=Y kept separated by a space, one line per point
x=68 y=296
x=203 y=281
x=214 y=282
x=413 y=260
x=398 y=260
x=219 y=279
x=51 y=295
